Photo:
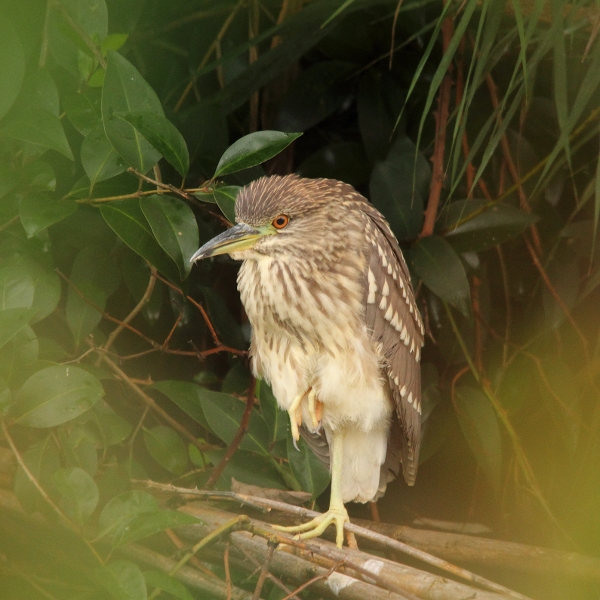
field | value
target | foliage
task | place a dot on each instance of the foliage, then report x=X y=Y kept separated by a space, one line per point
x=128 y=129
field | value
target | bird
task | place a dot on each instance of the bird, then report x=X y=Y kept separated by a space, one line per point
x=336 y=330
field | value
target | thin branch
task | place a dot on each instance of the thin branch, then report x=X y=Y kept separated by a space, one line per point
x=441 y=122
x=138 y=307
x=265 y=571
x=241 y=432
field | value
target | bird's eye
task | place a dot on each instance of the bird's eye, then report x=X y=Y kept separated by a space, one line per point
x=281 y=221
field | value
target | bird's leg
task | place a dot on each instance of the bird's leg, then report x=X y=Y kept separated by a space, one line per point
x=337 y=512
x=295 y=413
x=315 y=408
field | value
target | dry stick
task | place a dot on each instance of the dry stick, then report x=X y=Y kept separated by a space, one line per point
x=396 y=545
x=9 y=222
x=308 y=583
x=241 y=432
x=45 y=496
x=272 y=577
x=394 y=22
x=441 y=122
x=138 y=307
x=264 y=571
x=149 y=401
x=188 y=575
x=227 y=571
x=226 y=528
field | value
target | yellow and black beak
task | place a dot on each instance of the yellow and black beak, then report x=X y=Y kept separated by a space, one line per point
x=239 y=237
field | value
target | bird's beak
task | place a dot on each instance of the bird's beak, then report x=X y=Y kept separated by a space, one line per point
x=239 y=237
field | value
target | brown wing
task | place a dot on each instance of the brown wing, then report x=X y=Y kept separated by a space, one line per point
x=393 y=317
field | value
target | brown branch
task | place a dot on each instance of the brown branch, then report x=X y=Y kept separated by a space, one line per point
x=441 y=122
x=137 y=308
x=241 y=432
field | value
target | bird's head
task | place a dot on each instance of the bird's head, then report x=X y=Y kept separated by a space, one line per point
x=278 y=216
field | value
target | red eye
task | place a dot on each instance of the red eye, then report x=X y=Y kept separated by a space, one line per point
x=281 y=221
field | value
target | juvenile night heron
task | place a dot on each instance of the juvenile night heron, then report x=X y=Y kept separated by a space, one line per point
x=335 y=330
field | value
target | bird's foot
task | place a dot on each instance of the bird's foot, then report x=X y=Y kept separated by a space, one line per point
x=318 y=525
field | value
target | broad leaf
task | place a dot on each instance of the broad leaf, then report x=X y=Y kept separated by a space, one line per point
x=253 y=149
x=480 y=427
x=224 y=415
x=123 y=580
x=98 y=157
x=126 y=91
x=174 y=226
x=306 y=467
x=397 y=190
x=127 y=220
x=55 y=395
x=277 y=419
x=160 y=579
x=225 y=197
x=79 y=493
x=473 y=225
x=39 y=210
x=39 y=127
x=13 y=320
x=186 y=396
x=83 y=110
x=123 y=508
x=163 y=135
x=441 y=270
x=167 y=448
x=12 y=64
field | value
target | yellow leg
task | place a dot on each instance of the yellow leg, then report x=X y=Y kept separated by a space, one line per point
x=337 y=512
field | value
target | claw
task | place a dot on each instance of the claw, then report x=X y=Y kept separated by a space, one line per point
x=295 y=413
x=319 y=524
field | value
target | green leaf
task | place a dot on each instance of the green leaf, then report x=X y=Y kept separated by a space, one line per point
x=307 y=468
x=94 y=275
x=83 y=110
x=25 y=283
x=163 y=135
x=186 y=396
x=39 y=176
x=398 y=191
x=174 y=226
x=225 y=197
x=19 y=356
x=122 y=509
x=79 y=493
x=481 y=429
x=42 y=461
x=226 y=325
x=126 y=91
x=112 y=428
x=149 y=524
x=13 y=320
x=166 y=448
x=12 y=64
x=224 y=415
x=441 y=270
x=55 y=395
x=80 y=449
x=276 y=418
x=474 y=225
x=99 y=159
x=123 y=580
x=253 y=149
x=159 y=579
x=127 y=220
x=39 y=210
x=41 y=128
x=113 y=41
